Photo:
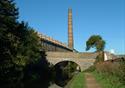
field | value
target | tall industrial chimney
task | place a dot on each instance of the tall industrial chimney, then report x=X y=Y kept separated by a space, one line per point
x=70 y=30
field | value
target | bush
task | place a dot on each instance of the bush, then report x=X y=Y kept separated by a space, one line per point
x=90 y=69
x=100 y=57
x=108 y=81
x=116 y=69
x=122 y=71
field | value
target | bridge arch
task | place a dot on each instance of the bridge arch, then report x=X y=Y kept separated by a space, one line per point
x=78 y=68
x=82 y=63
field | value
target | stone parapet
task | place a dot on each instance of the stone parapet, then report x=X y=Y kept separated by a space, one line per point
x=71 y=55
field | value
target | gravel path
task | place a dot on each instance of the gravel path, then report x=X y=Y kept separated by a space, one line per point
x=90 y=81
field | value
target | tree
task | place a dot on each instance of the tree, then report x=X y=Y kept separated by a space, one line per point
x=8 y=41
x=19 y=43
x=95 y=41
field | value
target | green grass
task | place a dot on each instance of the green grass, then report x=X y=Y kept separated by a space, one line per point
x=78 y=81
x=108 y=81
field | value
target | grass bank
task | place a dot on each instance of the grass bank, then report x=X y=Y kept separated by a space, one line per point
x=78 y=81
x=108 y=81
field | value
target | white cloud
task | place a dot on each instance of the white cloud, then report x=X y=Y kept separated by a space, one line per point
x=112 y=51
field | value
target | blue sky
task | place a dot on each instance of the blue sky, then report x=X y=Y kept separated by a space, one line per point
x=103 y=17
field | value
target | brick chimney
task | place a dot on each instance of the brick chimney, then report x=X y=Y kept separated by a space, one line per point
x=70 y=30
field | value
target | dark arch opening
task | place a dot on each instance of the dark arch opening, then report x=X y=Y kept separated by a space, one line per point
x=64 y=71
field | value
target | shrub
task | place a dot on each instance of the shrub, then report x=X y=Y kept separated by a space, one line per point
x=115 y=69
x=90 y=69
x=122 y=72
x=100 y=57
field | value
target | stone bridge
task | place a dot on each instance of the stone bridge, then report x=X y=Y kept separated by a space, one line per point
x=83 y=60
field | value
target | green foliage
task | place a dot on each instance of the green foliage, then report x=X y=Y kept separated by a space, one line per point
x=112 y=74
x=90 y=69
x=19 y=44
x=21 y=60
x=8 y=40
x=99 y=58
x=122 y=71
x=8 y=12
x=108 y=81
x=78 y=81
x=38 y=69
x=29 y=47
x=95 y=41
x=72 y=66
x=70 y=69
